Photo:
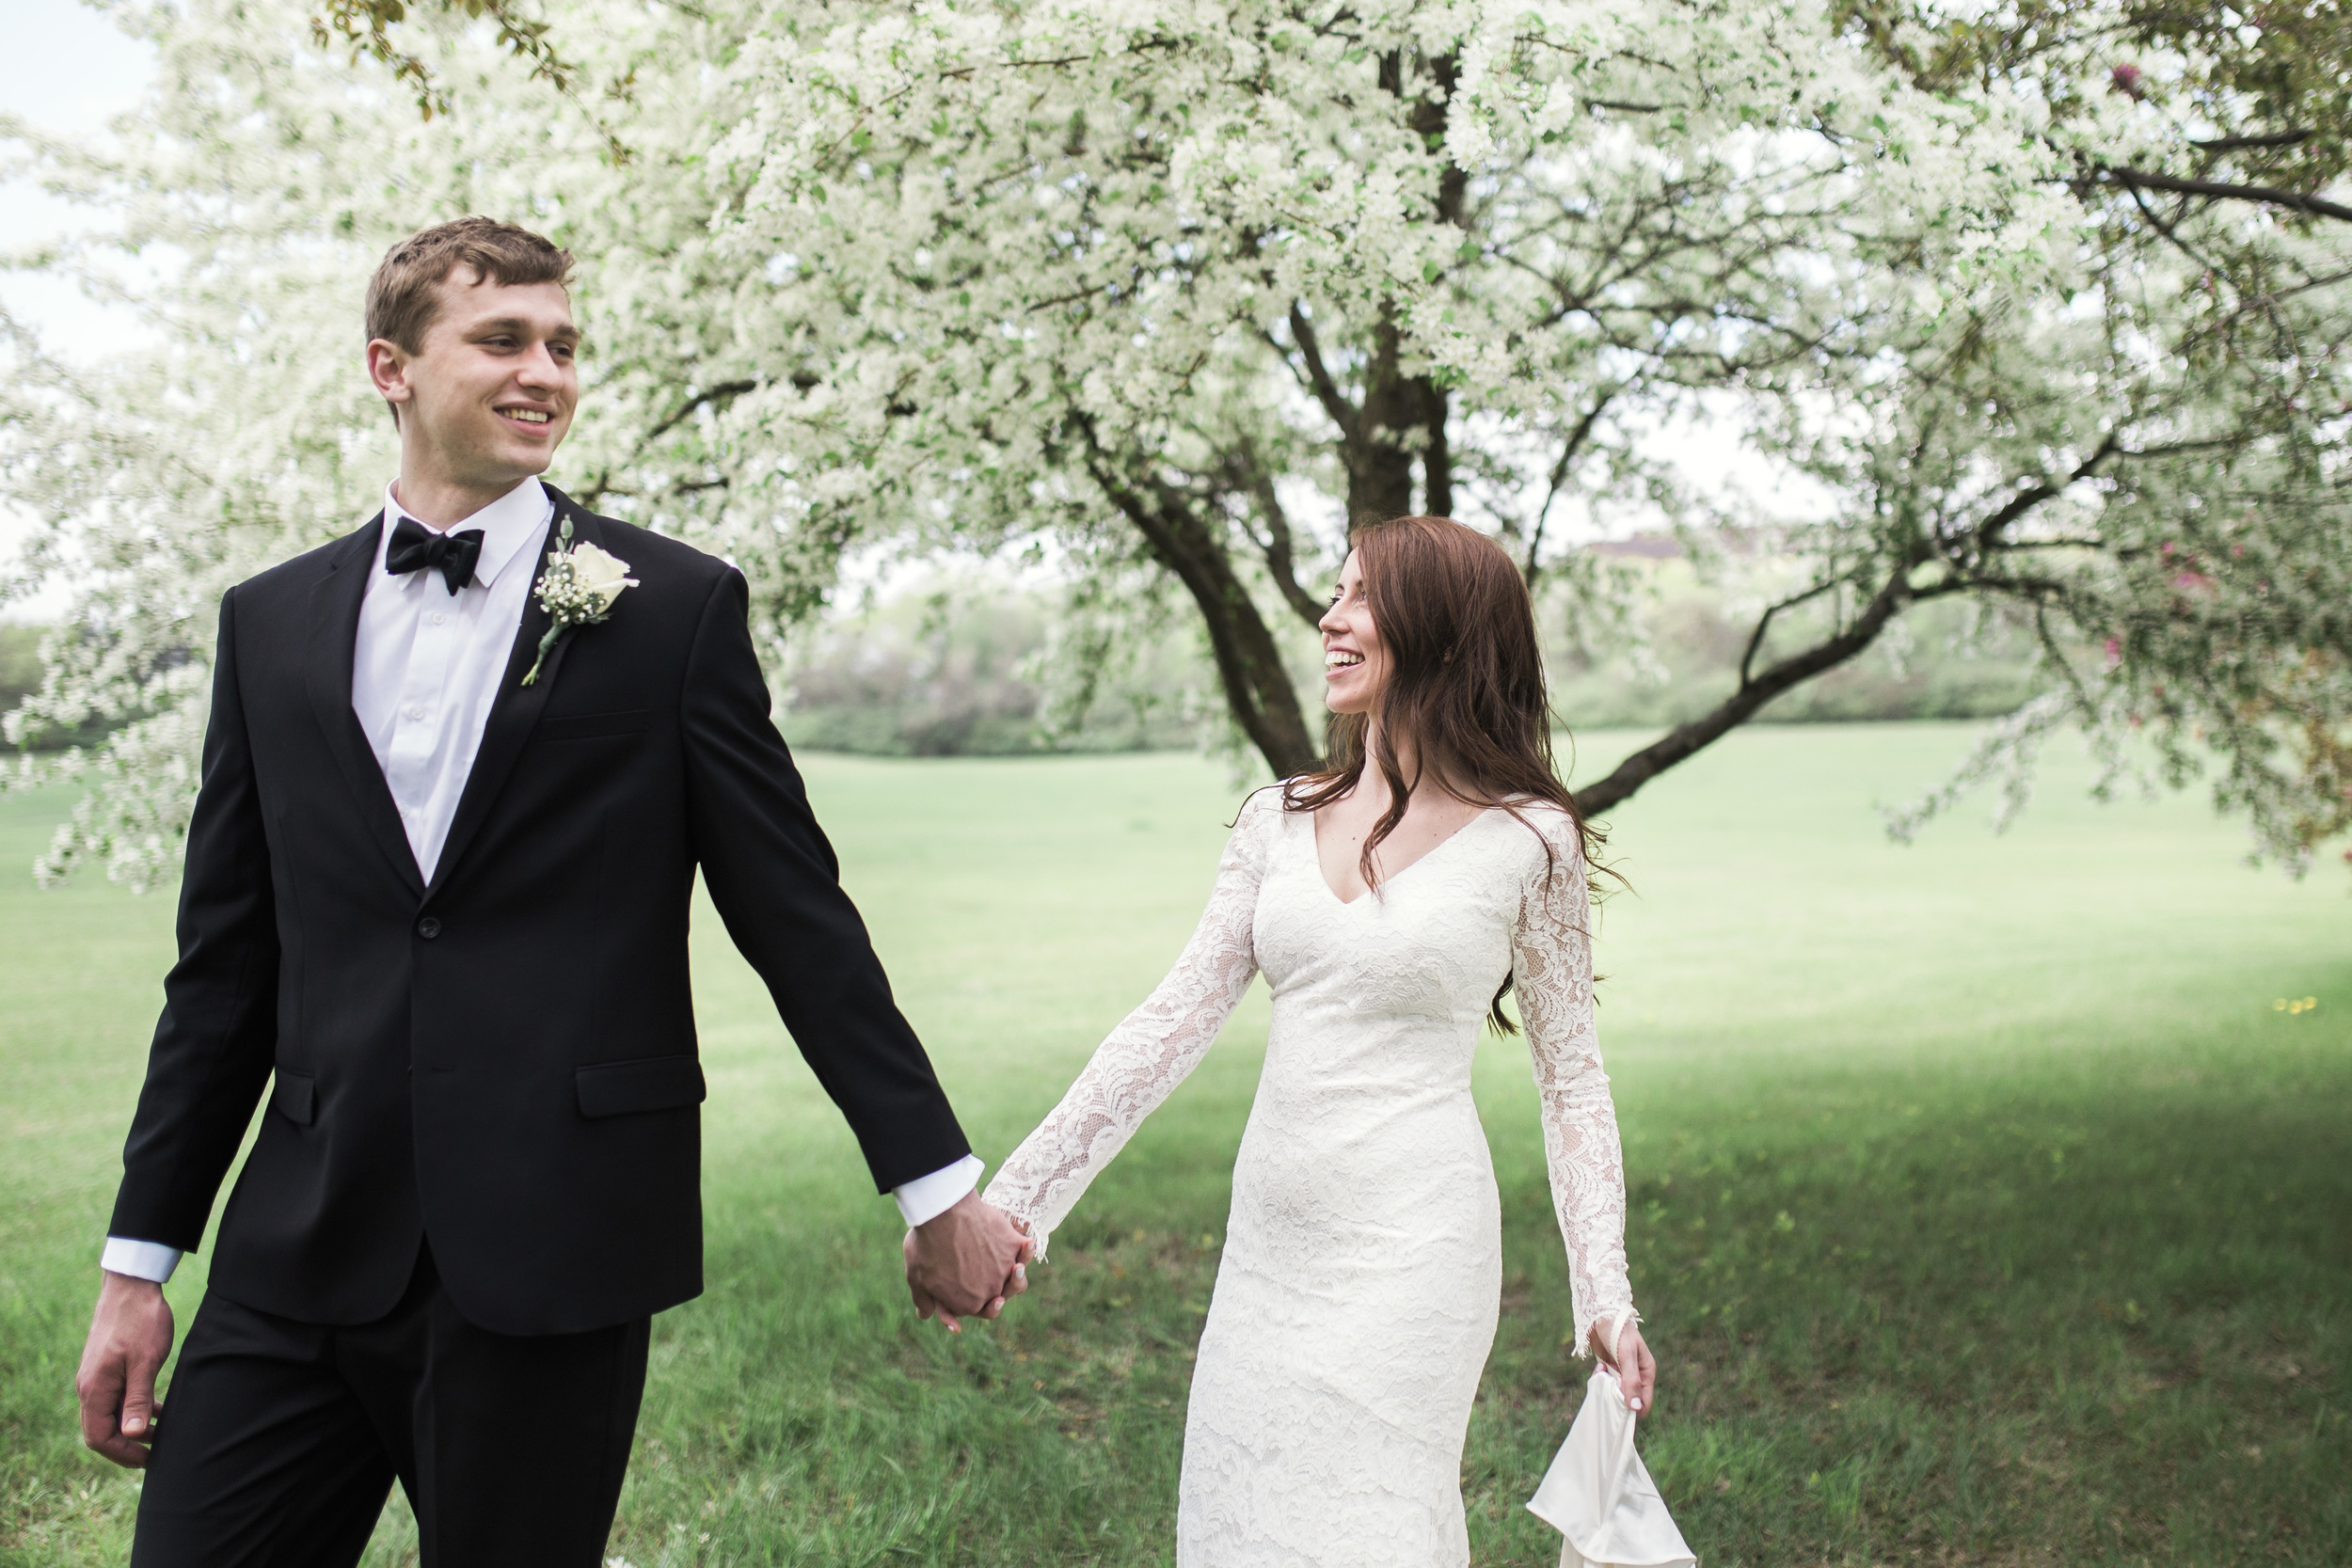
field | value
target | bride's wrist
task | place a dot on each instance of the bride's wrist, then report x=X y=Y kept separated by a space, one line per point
x=1605 y=1339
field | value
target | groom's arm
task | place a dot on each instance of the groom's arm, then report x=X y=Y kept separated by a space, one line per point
x=212 y=1053
x=216 y=1042
x=776 y=883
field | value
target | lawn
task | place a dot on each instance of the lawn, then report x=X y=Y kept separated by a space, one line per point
x=1986 y=1207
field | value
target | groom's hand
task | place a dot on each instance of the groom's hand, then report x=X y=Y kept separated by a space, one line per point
x=130 y=1338
x=966 y=1262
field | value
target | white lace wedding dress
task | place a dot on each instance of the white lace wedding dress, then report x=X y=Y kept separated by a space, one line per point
x=1364 y=1265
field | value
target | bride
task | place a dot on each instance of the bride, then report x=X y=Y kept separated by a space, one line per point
x=1390 y=901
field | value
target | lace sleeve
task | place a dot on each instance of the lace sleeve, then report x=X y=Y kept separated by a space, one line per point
x=1552 y=967
x=1140 y=1063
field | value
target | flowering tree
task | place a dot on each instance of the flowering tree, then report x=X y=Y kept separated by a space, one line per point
x=1171 y=292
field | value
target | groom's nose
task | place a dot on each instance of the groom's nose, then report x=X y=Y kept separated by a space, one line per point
x=539 y=370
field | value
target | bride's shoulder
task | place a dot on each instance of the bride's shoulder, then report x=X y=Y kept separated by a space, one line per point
x=1552 y=831
x=1262 y=810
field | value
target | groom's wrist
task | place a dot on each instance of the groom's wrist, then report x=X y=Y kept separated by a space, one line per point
x=150 y=1260
x=925 y=1198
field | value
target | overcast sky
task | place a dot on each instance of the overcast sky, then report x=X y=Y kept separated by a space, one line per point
x=69 y=69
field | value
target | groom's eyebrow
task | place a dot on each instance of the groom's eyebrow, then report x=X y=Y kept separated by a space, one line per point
x=517 y=326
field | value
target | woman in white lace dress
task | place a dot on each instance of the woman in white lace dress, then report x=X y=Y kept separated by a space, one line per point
x=1389 y=903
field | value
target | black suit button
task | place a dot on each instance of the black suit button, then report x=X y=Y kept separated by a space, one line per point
x=429 y=928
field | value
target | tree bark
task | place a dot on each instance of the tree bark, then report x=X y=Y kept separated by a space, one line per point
x=1249 y=661
x=1379 y=460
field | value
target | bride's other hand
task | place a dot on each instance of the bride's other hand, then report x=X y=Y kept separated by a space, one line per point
x=1636 y=1368
x=966 y=1262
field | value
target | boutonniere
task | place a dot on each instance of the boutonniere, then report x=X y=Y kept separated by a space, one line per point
x=577 y=589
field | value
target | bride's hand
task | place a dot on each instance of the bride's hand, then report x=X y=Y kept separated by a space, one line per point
x=1636 y=1368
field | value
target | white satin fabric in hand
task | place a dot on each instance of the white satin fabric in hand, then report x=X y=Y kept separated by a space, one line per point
x=1599 y=1494
x=1362 y=1271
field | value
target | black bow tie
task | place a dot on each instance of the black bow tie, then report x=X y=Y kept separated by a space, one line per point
x=418 y=548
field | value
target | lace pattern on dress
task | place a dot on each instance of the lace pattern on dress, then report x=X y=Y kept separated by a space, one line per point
x=1151 y=1051
x=1552 y=967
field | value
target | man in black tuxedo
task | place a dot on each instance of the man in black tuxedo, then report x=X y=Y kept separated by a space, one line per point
x=441 y=910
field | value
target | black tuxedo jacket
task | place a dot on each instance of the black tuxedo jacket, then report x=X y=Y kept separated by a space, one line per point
x=503 y=1060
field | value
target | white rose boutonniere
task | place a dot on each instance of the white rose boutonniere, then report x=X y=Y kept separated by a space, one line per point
x=579 y=587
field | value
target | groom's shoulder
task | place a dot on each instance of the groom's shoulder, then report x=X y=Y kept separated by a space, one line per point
x=299 y=573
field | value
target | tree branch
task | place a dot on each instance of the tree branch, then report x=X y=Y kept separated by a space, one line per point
x=1281 y=561
x=1258 y=689
x=1764 y=623
x=2275 y=138
x=1742 y=705
x=1325 y=389
x=2224 y=190
x=1570 y=450
x=726 y=391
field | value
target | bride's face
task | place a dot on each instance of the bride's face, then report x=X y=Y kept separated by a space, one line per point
x=1353 y=661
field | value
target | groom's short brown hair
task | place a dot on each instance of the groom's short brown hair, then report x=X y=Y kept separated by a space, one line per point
x=405 y=295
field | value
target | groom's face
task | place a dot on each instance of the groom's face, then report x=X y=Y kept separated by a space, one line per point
x=488 y=394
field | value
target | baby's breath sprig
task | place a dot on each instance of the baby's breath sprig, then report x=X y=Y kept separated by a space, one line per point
x=577 y=589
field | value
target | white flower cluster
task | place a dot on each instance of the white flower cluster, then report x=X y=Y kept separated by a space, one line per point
x=581 y=583
x=1170 y=291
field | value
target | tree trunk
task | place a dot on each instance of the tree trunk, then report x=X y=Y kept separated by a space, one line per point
x=1249 y=661
x=1379 y=462
x=1401 y=416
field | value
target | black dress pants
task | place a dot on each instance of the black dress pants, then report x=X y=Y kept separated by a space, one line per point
x=280 y=1441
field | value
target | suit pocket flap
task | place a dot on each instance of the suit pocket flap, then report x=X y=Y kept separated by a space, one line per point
x=654 y=1084
x=294 y=1098
x=589 y=726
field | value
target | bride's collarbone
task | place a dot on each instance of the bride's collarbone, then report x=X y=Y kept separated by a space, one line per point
x=1339 y=840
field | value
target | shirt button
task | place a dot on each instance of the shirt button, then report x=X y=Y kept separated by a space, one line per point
x=438 y=618
x=429 y=928
x=416 y=710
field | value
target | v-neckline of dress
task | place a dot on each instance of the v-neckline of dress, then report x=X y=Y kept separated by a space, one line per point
x=1314 y=853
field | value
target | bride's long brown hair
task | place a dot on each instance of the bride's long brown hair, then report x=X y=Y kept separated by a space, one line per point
x=1464 y=696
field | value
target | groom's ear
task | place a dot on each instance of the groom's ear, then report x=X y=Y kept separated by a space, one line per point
x=388 y=367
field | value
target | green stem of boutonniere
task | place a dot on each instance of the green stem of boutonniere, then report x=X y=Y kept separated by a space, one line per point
x=547 y=644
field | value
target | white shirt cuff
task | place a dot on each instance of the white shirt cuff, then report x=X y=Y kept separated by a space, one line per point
x=144 y=1260
x=926 y=1198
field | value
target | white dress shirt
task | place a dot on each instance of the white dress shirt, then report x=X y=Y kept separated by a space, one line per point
x=428 y=663
x=424 y=676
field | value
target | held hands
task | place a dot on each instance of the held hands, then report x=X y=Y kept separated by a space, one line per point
x=1636 y=1368
x=967 y=1262
x=130 y=1338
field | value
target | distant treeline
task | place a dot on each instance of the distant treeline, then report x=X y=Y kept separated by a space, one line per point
x=976 y=672
x=20 y=663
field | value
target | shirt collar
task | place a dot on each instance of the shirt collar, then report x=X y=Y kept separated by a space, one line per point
x=509 y=525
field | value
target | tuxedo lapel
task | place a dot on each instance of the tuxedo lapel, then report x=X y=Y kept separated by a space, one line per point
x=515 y=710
x=331 y=646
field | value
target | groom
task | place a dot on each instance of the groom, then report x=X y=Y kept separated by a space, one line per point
x=441 y=911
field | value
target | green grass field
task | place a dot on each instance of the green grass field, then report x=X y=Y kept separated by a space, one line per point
x=1985 y=1209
